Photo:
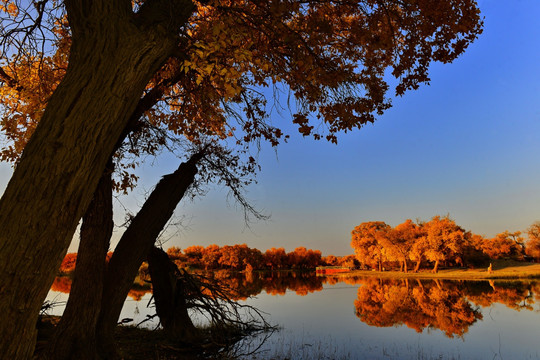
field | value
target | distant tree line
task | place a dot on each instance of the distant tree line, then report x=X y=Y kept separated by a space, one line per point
x=377 y=245
x=240 y=258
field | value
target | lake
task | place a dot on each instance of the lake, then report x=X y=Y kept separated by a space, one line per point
x=325 y=317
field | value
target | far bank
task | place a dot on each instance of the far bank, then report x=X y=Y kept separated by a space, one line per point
x=501 y=269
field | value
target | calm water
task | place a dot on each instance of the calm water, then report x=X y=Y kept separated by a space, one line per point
x=369 y=318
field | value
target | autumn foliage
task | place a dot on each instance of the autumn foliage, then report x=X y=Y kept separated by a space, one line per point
x=70 y=260
x=376 y=244
x=532 y=248
x=186 y=69
x=333 y=56
x=379 y=246
x=239 y=258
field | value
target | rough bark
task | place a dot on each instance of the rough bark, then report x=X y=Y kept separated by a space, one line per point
x=114 y=54
x=75 y=334
x=134 y=246
x=170 y=296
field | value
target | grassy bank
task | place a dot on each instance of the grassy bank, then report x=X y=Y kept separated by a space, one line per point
x=502 y=269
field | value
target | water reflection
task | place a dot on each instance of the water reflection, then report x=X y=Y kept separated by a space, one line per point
x=514 y=294
x=449 y=306
x=62 y=284
x=245 y=285
x=416 y=304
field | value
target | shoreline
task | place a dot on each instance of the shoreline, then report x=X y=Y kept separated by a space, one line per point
x=502 y=270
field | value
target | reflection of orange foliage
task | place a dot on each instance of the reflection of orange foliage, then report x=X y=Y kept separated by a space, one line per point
x=515 y=295
x=420 y=305
x=307 y=288
x=62 y=284
x=535 y=288
x=332 y=280
x=244 y=285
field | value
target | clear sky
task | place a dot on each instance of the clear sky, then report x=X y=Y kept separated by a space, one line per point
x=467 y=145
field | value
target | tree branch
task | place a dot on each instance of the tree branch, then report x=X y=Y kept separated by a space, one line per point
x=9 y=81
x=169 y=14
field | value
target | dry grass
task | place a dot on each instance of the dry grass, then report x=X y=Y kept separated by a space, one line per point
x=502 y=269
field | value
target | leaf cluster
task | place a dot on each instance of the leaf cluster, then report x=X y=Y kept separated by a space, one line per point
x=332 y=57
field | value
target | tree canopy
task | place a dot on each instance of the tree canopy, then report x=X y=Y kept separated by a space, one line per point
x=332 y=56
x=78 y=77
x=439 y=240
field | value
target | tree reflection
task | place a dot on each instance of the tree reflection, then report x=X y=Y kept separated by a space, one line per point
x=450 y=306
x=63 y=284
x=516 y=295
x=418 y=304
x=248 y=284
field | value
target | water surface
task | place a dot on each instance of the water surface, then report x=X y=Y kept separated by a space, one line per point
x=371 y=318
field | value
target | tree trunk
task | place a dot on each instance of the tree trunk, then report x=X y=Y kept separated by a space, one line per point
x=75 y=334
x=405 y=265
x=417 y=266
x=170 y=296
x=113 y=56
x=436 y=267
x=135 y=245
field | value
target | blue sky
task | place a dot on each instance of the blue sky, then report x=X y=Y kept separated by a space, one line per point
x=468 y=145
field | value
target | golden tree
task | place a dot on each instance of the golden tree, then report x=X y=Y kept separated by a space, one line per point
x=368 y=243
x=129 y=59
x=532 y=247
x=445 y=240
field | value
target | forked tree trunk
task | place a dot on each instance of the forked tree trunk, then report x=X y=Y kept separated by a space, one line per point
x=134 y=246
x=170 y=296
x=114 y=55
x=75 y=334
